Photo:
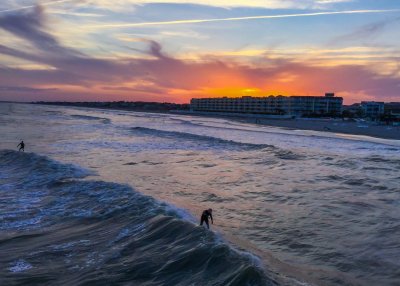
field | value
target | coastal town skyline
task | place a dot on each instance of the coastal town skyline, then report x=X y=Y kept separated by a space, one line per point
x=172 y=51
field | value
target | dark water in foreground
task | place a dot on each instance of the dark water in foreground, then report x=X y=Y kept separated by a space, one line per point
x=58 y=229
x=113 y=197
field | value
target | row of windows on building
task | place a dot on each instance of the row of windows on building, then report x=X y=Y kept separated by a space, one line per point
x=293 y=105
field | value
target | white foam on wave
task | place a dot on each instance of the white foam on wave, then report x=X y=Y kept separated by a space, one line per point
x=127 y=232
x=186 y=215
x=20 y=266
x=68 y=245
x=181 y=213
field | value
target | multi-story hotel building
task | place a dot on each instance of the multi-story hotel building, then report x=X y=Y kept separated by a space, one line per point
x=277 y=105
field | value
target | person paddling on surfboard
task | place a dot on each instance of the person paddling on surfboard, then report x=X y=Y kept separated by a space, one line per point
x=204 y=217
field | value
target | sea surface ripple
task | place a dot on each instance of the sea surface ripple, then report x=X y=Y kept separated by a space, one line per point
x=109 y=196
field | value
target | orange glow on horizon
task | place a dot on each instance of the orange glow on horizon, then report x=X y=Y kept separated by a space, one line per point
x=240 y=92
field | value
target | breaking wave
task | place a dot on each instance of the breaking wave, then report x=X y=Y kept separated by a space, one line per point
x=197 y=139
x=87 y=117
x=58 y=228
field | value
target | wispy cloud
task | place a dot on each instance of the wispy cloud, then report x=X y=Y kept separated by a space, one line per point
x=117 y=5
x=74 y=75
x=56 y=2
x=120 y=5
x=29 y=26
x=74 y=14
x=25 y=89
x=245 y=18
x=366 y=31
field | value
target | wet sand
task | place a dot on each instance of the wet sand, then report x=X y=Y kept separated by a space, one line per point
x=364 y=128
x=335 y=126
x=324 y=125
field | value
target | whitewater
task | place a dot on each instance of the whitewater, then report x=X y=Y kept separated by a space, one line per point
x=110 y=197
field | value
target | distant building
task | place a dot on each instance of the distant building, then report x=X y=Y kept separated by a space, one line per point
x=392 y=113
x=393 y=108
x=277 y=105
x=353 y=110
x=372 y=109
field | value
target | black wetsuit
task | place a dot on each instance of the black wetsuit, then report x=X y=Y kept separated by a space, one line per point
x=204 y=218
x=22 y=144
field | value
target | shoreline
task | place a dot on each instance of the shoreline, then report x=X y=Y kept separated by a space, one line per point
x=333 y=126
x=337 y=126
x=328 y=126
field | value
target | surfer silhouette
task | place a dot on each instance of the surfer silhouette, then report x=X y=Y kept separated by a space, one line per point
x=22 y=144
x=204 y=217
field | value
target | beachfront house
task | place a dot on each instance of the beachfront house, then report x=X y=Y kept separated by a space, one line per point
x=372 y=110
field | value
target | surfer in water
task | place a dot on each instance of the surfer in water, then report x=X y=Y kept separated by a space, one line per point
x=204 y=217
x=22 y=144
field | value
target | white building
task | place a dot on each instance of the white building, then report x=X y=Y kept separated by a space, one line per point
x=278 y=105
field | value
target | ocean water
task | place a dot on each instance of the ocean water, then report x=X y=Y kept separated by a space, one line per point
x=113 y=197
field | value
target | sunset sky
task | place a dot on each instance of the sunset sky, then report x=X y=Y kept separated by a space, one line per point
x=171 y=51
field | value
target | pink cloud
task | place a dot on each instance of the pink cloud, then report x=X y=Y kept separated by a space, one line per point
x=75 y=76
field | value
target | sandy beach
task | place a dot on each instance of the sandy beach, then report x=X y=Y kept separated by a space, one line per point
x=364 y=128
x=335 y=126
